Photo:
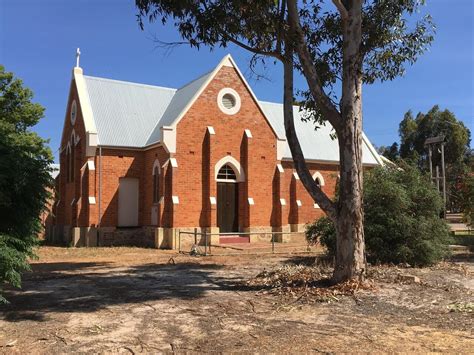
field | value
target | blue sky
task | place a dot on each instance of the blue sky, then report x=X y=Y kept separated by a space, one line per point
x=38 y=40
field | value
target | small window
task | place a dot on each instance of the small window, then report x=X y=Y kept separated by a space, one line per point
x=68 y=163
x=156 y=185
x=73 y=112
x=72 y=162
x=318 y=182
x=226 y=173
x=228 y=100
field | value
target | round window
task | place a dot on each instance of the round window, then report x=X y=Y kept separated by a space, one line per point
x=73 y=112
x=228 y=101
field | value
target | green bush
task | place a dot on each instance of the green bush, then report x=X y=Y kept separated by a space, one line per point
x=402 y=223
x=467 y=199
x=25 y=161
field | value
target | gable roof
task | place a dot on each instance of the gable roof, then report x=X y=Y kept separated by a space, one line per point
x=131 y=115
x=180 y=100
x=315 y=140
x=125 y=113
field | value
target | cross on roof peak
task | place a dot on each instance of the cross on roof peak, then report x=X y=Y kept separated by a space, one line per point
x=78 y=55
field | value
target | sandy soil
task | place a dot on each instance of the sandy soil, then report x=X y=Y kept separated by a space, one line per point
x=129 y=300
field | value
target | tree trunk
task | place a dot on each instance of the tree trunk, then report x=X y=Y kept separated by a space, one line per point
x=348 y=215
x=350 y=246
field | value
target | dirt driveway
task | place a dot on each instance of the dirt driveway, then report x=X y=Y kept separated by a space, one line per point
x=128 y=300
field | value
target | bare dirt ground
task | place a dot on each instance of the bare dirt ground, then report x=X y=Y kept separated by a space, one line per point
x=129 y=300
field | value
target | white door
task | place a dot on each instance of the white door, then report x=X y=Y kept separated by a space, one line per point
x=128 y=202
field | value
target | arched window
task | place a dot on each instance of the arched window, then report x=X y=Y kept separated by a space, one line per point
x=226 y=173
x=72 y=160
x=319 y=179
x=318 y=182
x=156 y=185
x=68 y=163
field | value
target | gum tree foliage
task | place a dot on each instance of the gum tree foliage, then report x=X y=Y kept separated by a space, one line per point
x=391 y=152
x=466 y=198
x=402 y=223
x=415 y=130
x=337 y=46
x=24 y=176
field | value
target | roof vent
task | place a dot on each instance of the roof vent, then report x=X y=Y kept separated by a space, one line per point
x=228 y=101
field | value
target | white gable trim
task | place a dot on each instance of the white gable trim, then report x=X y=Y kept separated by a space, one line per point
x=92 y=139
x=372 y=149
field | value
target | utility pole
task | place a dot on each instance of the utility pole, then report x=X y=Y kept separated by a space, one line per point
x=432 y=143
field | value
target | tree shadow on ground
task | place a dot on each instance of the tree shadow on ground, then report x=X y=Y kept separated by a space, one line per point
x=88 y=287
x=309 y=260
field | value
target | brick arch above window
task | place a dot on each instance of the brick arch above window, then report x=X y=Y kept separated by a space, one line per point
x=317 y=175
x=234 y=164
x=156 y=172
x=156 y=164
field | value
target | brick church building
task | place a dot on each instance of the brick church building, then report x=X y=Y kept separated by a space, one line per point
x=139 y=163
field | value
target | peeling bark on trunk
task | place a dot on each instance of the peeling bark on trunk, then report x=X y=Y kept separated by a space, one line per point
x=350 y=246
x=348 y=215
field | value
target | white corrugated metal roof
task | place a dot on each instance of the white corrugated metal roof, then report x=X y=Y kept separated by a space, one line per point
x=131 y=115
x=180 y=99
x=126 y=113
x=315 y=141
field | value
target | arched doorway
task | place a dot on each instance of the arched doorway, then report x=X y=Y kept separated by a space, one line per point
x=227 y=200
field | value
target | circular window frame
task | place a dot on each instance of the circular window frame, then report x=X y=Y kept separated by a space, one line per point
x=73 y=110
x=220 y=96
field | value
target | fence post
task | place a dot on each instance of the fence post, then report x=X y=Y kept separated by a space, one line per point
x=205 y=242
x=179 y=242
x=273 y=243
x=195 y=236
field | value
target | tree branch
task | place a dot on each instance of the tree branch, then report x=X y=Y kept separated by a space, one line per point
x=325 y=104
x=342 y=9
x=298 y=158
x=251 y=49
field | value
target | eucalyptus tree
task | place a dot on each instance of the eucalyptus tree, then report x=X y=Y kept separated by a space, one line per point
x=337 y=46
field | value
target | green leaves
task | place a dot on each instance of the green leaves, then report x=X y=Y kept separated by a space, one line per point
x=24 y=177
x=402 y=223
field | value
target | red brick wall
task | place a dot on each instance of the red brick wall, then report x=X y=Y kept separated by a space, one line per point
x=194 y=179
x=150 y=156
x=228 y=140
x=67 y=214
x=294 y=190
x=118 y=163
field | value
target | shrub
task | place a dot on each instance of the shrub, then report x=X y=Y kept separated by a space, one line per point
x=322 y=230
x=402 y=223
x=467 y=199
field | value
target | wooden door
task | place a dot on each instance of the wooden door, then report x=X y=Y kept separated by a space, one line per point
x=128 y=202
x=227 y=208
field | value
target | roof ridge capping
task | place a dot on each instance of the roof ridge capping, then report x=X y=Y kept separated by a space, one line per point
x=128 y=82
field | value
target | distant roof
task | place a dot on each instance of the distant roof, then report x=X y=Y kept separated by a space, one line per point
x=130 y=115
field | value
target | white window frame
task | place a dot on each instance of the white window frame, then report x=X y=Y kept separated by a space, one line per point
x=239 y=172
x=229 y=111
x=73 y=109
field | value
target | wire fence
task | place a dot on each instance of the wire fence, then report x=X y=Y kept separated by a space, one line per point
x=204 y=243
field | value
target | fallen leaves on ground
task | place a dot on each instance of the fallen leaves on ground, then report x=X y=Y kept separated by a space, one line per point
x=311 y=283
